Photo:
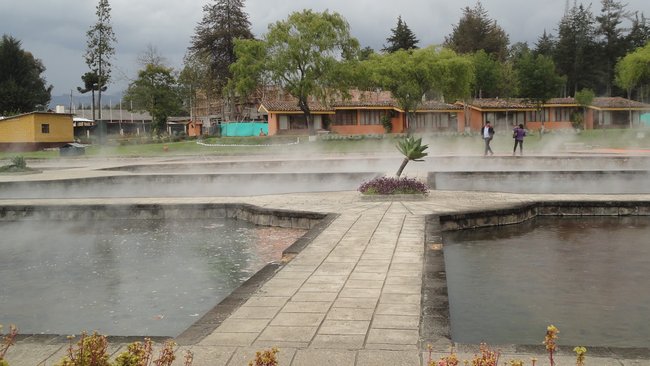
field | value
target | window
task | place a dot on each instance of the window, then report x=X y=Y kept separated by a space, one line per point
x=284 y=122
x=45 y=128
x=297 y=122
x=372 y=117
x=345 y=118
x=434 y=121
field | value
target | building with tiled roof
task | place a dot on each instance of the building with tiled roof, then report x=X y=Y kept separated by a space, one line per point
x=618 y=103
x=374 y=112
x=556 y=113
x=363 y=113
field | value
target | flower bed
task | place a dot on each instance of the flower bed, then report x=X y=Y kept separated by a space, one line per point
x=393 y=186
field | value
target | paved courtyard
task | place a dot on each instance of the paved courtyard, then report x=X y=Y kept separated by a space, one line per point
x=351 y=297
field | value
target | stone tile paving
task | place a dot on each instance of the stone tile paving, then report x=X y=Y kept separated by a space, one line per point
x=352 y=297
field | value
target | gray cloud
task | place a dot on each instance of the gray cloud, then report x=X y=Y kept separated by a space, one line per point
x=55 y=31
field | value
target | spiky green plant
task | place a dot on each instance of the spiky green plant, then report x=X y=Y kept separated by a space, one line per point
x=412 y=149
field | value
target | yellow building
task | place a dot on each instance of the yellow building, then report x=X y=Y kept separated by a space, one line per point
x=35 y=131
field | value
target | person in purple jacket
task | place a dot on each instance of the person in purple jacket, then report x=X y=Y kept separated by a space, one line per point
x=518 y=133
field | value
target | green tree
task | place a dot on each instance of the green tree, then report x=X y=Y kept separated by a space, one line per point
x=91 y=84
x=639 y=33
x=633 y=71
x=365 y=53
x=409 y=75
x=307 y=54
x=576 y=51
x=538 y=80
x=99 y=52
x=545 y=45
x=584 y=98
x=487 y=75
x=155 y=91
x=224 y=21
x=476 y=31
x=22 y=88
x=401 y=38
x=508 y=84
x=191 y=79
x=613 y=42
x=412 y=149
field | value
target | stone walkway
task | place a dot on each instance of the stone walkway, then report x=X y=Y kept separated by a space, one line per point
x=352 y=297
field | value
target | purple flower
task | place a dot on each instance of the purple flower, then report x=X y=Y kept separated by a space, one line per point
x=392 y=185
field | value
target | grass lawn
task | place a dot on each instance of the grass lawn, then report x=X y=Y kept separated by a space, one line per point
x=300 y=146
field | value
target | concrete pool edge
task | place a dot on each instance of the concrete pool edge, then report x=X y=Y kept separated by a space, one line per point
x=214 y=317
x=435 y=329
x=313 y=222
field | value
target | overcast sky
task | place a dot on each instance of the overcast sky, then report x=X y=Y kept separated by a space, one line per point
x=55 y=30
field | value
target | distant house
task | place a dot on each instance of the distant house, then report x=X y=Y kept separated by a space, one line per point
x=362 y=114
x=285 y=118
x=35 y=131
x=615 y=113
x=556 y=113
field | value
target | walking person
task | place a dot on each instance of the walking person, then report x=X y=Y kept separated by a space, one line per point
x=488 y=133
x=518 y=133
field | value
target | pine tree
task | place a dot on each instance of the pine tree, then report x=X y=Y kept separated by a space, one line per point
x=223 y=22
x=612 y=42
x=639 y=34
x=100 y=50
x=545 y=45
x=576 y=51
x=402 y=38
x=476 y=31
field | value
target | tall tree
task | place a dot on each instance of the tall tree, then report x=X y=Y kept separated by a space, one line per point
x=476 y=31
x=612 y=39
x=487 y=75
x=22 y=88
x=576 y=49
x=408 y=75
x=155 y=91
x=191 y=79
x=99 y=53
x=538 y=80
x=633 y=70
x=401 y=38
x=639 y=33
x=304 y=54
x=545 y=45
x=223 y=22
x=91 y=84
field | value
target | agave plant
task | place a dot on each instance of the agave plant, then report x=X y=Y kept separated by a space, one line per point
x=412 y=149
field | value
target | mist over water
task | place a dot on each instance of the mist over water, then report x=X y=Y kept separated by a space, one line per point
x=126 y=277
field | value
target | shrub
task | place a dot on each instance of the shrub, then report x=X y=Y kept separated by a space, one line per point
x=393 y=185
x=7 y=341
x=265 y=358
x=19 y=162
x=92 y=351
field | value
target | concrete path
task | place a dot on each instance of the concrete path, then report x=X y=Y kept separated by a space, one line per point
x=352 y=297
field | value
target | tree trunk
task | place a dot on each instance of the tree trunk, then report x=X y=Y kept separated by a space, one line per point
x=304 y=107
x=92 y=93
x=629 y=109
x=401 y=167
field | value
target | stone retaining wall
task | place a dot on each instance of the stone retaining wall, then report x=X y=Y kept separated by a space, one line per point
x=245 y=212
x=523 y=212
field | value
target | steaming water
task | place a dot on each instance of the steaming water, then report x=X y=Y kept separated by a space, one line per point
x=587 y=276
x=126 y=277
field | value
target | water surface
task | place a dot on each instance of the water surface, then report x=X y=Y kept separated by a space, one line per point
x=587 y=276
x=126 y=277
